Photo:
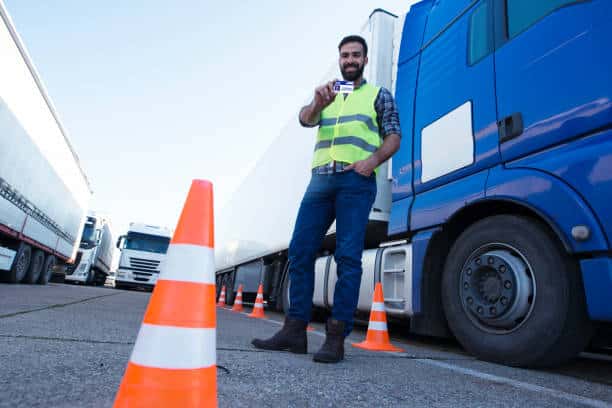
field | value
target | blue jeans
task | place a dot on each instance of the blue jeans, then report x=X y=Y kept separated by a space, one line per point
x=346 y=197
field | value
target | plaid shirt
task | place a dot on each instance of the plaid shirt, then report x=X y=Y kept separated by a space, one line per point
x=387 y=115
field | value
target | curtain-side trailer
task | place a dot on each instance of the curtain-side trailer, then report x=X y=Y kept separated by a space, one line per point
x=44 y=192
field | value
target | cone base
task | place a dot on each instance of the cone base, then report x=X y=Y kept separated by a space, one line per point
x=372 y=346
x=256 y=316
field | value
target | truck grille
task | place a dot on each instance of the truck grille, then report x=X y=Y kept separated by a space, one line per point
x=145 y=265
x=71 y=267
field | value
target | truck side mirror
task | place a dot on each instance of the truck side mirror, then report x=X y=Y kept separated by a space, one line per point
x=120 y=241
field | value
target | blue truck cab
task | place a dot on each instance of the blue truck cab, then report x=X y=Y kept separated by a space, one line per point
x=503 y=182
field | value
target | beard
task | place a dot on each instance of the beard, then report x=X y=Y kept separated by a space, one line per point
x=353 y=75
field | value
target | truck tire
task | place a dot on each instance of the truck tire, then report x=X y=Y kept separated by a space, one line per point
x=47 y=270
x=36 y=265
x=20 y=263
x=91 y=277
x=286 y=300
x=228 y=280
x=512 y=295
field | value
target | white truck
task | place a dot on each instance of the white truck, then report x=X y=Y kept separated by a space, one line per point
x=254 y=228
x=44 y=192
x=143 y=249
x=95 y=255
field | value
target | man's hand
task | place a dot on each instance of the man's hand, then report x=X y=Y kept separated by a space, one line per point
x=324 y=95
x=363 y=167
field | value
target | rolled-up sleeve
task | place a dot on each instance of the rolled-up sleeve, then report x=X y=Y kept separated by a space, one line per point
x=387 y=114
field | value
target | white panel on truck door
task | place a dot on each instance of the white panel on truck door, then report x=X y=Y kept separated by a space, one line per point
x=448 y=143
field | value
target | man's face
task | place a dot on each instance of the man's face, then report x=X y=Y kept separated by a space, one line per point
x=352 y=61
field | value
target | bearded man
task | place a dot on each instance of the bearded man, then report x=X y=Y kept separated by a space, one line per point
x=357 y=131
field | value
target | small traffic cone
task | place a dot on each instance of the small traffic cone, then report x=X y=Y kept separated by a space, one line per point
x=377 y=338
x=310 y=328
x=222 y=297
x=238 y=301
x=173 y=363
x=258 y=308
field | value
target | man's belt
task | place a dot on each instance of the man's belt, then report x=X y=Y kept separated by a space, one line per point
x=330 y=168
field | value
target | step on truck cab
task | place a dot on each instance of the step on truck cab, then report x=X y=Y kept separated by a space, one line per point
x=500 y=220
x=143 y=249
x=95 y=255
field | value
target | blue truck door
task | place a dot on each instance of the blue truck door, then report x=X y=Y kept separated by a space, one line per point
x=552 y=82
x=455 y=132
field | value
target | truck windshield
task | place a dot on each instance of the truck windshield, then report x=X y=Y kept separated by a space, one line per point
x=147 y=243
x=89 y=233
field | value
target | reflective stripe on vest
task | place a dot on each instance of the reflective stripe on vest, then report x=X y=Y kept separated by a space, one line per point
x=348 y=129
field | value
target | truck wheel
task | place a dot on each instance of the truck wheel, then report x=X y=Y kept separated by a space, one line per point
x=229 y=288
x=47 y=270
x=91 y=276
x=36 y=264
x=513 y=296
x=286 y=300
x=20 y=263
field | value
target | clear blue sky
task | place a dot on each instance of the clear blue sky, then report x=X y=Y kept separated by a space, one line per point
x=155 y=93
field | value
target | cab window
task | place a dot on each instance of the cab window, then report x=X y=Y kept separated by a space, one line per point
x=522 y=14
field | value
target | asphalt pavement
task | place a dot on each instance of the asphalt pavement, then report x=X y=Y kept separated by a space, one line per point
x=67 y=346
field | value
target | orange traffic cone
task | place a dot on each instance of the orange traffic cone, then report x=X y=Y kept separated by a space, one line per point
x=310 y=328
x=238 y=301
x=258 y=308
x=173 y=363
x=222 y=297
x=377 y=338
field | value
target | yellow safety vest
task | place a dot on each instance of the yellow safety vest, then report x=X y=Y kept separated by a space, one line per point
x=348 y=130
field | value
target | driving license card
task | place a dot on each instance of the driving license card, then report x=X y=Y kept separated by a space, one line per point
x=344 y=86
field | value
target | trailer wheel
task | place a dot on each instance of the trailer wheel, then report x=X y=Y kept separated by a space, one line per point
x=513 y=296
x=47 y=270
x=286 y=300
x=228 y=280
x=35 y=268
x=20 y=263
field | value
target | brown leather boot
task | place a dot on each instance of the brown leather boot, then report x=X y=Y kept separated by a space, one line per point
x=332 y=350
x=292 y=337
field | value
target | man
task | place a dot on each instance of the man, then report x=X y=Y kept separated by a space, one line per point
x=357 y=133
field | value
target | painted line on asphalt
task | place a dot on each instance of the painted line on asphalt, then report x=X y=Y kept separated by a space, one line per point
x=66 y=339
x=76 y=302
x=519 y=384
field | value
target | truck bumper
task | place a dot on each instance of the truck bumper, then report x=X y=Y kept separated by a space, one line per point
x=597 y=279
x=127 y=277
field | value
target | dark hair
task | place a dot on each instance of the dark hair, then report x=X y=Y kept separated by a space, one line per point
x=355 y=38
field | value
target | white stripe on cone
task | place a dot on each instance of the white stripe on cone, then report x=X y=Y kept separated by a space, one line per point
x=258 y=306
x=189 y=263
x=259 y=297
x=175 y=347
x=378 y=307
x=380 y=326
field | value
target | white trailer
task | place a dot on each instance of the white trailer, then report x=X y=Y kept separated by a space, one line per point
x=143 y=249
x=253 y=230
x=95 y=255
x=44 y=192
